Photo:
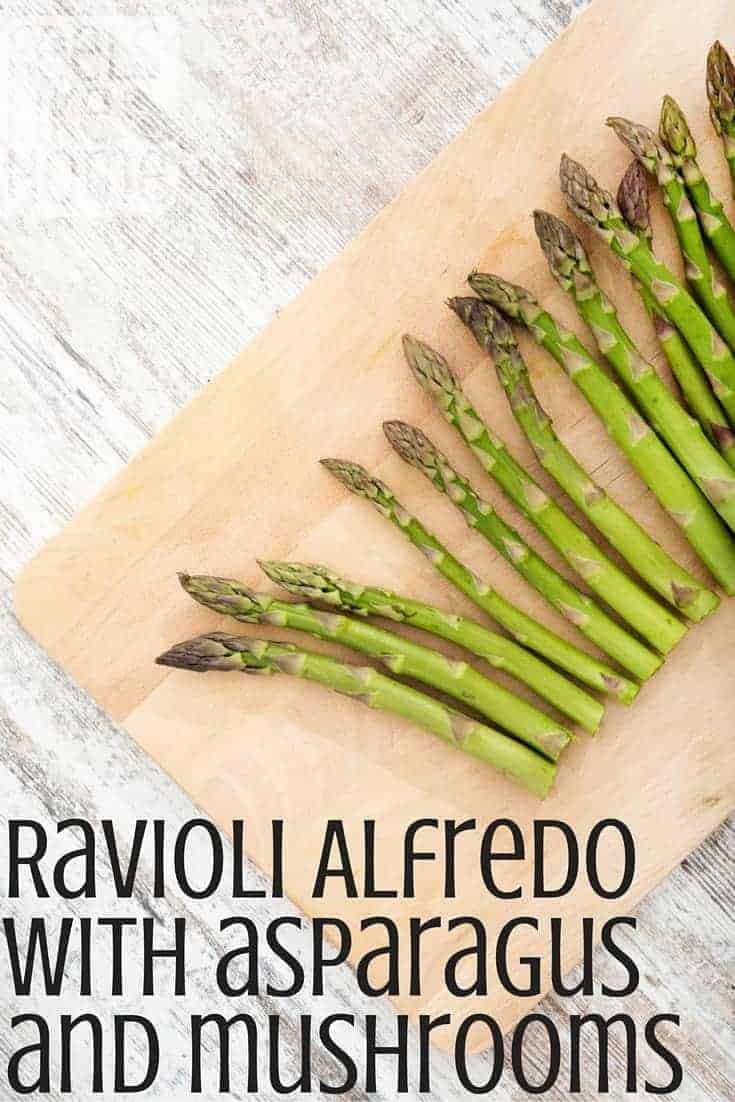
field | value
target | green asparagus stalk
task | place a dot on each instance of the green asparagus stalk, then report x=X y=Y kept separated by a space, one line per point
x=721 y=94
x=647 y=557
x=677 y=137
x=654 y=622
x=682 y=433
x=701 y=276
x=318 y=583
x=401 y=656
x=220 y=651
x=661 y=472
x=523 y=628
x=632 y=199
x=416 y=448
x=598 y=209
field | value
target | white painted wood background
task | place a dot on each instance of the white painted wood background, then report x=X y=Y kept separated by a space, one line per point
x=172 y=175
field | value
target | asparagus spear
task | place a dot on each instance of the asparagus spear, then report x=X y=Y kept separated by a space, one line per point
x=647 y=453
x=401 y=656
x=647 y=557
x=220 y=651
x=570 y=266
x=413 y=446
x=318 y=583
x=677 y=137
x=633 y=202
x=637 y=607
x=527 y=631
x=598 y=209
x=721 y=93
x=700 y=274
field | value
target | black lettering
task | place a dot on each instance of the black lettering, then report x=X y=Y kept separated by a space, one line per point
x=460 y=1053
x=501 y=959
x=321 y=962
x=122 y=1083
x=519 y=1070
x=488 y=856
x=334 y=835
x=42 y=1083
x=303 y=1082
x=602 y=1026
x=452 y=830
x=31 y=860
x=248 y=951
x=371 y=892
x=387 y=952
x=586 y=983
x=540 y=889
x=117 y=925
x=427 y=1025
x=224 y=1029
x=124 y=885
x=84 y=855
x=283 y=954
x=343 y=1058
x=411 y=855
x=38 y=947
x=630 y=966
x=416 y=930
x=628 y=872
x=662 y=1050
x=68 y=1024
x=178 y=954
x=373 y=1050
x=476 y=952
x=217 y=858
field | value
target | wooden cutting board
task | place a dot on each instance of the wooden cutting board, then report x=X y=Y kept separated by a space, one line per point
x=235 y=476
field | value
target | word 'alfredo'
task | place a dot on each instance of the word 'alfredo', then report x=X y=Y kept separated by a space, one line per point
x=499 y=856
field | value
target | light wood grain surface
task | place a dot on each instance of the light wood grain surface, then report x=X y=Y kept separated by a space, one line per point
x=246 y=164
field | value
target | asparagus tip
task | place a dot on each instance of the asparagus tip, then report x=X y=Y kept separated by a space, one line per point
x=632 y=197
x=507 y=297
x=280 y=571
x=564 y=252
x=487 y=324
x=339 y=467
x=641 y=141
x=213 y=651
x=720 y=86
x=409 y=442
x=469 y=309
x=411 y=345
x=674 y=131
x=356 y=478
x=583 y=195
x=429 y=367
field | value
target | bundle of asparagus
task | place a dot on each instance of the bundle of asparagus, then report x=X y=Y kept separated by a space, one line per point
x=597 y=208
x=401 y=656
x=571 y=267
x=318 y=583
x=604 y=578
x=633 y=202
x=523 y=628
x=219 y=651
x=656 y=159
x=688 y=462
x=642 y=447
x=644 y=555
